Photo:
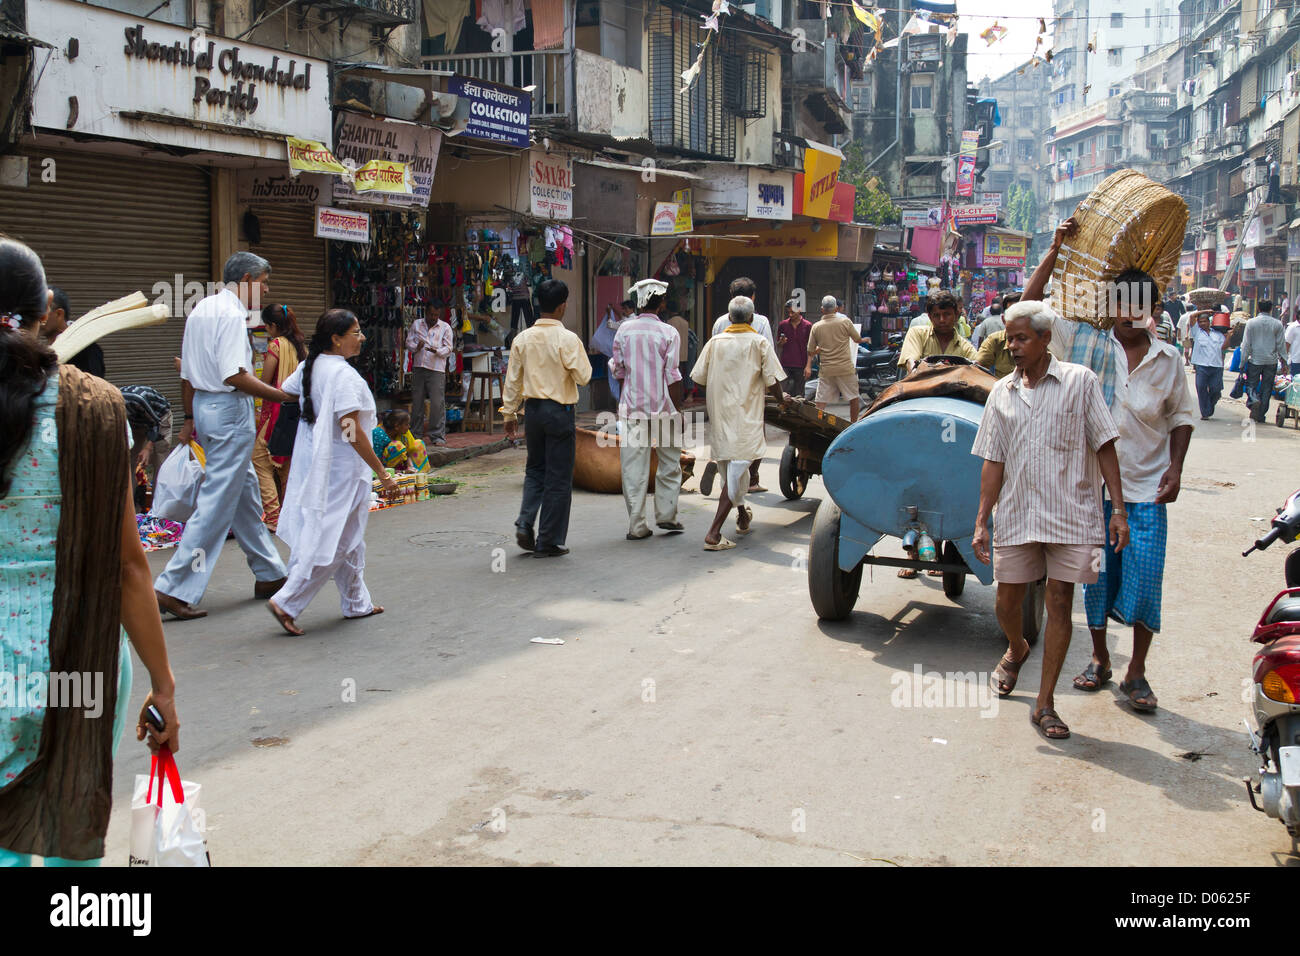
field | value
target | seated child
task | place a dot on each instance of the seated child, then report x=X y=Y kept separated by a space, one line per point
x=396 y=447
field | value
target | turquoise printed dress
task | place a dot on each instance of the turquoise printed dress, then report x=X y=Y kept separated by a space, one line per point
x=29 y=524
x=29 y=527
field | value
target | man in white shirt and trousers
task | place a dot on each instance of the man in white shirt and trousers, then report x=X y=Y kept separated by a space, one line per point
x=219 y=386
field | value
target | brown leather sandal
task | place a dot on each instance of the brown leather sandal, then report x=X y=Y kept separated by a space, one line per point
x=1005 y=676
x=1049 y=724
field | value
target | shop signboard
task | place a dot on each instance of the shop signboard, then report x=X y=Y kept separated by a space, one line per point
x=361 y=138
x=383 y=176
x=497 y=114
x=344 y=225
x=770 y=195
x=275 y=188
x=842 y=202
x=923 y=218
x=974 y=215
x=151 y=82
x=989 y=199
x=966 y=163
x=1205 y=261
x=725 y=193
x=1005 y=251
x=1293 y=245
x=1187 y=269
x=791 y=242
x=685 y=221
x=821 y=173
x=1270 y=263
x=550 y=185
x=664 y=221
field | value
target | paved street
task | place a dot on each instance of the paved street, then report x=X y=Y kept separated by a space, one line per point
x=698 y=713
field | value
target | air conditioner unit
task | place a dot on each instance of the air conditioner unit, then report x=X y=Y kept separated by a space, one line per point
x=1235 y=134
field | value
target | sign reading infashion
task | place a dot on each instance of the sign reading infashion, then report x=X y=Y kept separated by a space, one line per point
x=497 y=114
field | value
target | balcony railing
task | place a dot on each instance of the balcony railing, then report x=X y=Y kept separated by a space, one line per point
x=387 y=13
x=549 y=72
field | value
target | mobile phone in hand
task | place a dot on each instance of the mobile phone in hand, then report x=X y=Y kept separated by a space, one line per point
x=153 y=716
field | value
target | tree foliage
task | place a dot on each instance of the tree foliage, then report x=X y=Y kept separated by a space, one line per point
x=873 y=205
x=1022 y=208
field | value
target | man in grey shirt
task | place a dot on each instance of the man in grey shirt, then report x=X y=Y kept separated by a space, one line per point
x=992 y=323
x=1262 y=347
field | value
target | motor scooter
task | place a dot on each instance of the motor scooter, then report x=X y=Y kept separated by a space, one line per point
x=1274 y=727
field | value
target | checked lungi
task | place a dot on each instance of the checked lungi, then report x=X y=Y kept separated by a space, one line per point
x=1128 y=590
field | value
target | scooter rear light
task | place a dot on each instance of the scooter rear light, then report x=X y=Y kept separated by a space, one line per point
x=1282 y=683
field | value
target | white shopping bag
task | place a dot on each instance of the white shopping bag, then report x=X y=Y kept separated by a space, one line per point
x=167 y=825
x=176 y=490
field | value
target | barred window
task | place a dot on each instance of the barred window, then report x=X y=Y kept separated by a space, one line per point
x=696 y=122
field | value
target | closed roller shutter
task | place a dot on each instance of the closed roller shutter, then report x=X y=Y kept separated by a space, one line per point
x=297 y=260
x=824 y=278
x=1249 y=91
x=108 y=226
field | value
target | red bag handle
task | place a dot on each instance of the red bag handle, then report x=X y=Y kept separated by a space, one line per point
x=163 y=764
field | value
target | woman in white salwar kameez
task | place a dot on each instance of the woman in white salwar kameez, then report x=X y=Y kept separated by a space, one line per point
x=327 y=503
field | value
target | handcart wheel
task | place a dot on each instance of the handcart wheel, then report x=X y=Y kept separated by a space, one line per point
x=1280 y=416
x=793 y=481
x=833 y=592
x=1032 y=611
x=954 y=582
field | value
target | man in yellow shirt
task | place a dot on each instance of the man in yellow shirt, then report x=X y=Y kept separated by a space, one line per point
x=547 y=364
x=940 y=337
x=993 y=353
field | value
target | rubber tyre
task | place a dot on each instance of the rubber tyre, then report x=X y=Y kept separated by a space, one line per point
x=953 y=582
x=833 y=592
x=1280 y=415
x=793 y=482
x=1033 y=611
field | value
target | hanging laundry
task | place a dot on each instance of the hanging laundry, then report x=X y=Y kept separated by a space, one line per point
x=444 y=18
x=548 y=24
x=507 y=15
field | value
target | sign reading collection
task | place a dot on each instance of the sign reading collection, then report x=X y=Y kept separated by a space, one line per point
x=245 y=76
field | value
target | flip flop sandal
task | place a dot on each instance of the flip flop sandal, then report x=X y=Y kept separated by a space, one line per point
x=356 y=617
x=671 y=526
x=907 y=573
x=722 y=545
x=1090 y=675
x=1135 y=690
x=1006 y=675
x=1048 y=720
x=284 y=619
x=749 y=518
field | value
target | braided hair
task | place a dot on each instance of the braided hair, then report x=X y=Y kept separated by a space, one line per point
x=25 y=362
x=331 y=323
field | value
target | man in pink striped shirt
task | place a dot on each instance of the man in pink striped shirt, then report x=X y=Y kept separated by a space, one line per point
x=645 y=362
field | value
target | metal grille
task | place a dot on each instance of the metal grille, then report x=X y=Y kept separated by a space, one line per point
x=744 y=81
x=696 y=122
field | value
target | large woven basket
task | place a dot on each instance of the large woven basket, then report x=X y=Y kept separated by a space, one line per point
x=1127 y=222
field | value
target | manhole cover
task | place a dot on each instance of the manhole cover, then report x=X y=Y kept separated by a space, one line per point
x=458 y=539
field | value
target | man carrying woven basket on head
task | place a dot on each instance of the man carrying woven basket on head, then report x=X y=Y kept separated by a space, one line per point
x=1143 y=382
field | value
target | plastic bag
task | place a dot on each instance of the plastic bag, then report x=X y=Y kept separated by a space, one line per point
x=167 y=825
x=176 y=490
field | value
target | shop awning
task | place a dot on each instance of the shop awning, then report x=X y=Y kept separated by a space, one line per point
x=659 y=170
x=11 y=35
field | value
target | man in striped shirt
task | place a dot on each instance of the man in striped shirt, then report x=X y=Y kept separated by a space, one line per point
x=1045 y=436
x=645 y=362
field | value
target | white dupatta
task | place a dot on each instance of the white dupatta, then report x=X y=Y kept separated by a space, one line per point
x=325 y=471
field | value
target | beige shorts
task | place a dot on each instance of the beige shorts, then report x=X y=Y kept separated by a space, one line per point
x=1023 y=563
x=833 y=388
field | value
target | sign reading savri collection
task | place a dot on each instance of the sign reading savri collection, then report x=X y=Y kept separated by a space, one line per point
x=497 y=114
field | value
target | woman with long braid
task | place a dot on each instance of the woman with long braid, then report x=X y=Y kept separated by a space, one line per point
x=327 y=503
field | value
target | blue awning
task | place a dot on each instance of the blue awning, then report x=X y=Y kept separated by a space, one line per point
x=933 y=7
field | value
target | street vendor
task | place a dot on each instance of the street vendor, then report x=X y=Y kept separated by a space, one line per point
x=940 y=337
x=1145 y=388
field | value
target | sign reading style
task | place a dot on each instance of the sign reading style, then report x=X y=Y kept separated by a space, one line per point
x=550 y=185
x=346 y=225
x=497 y=114
x=820 y=174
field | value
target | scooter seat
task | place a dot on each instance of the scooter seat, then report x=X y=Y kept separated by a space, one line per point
x=1285 y=611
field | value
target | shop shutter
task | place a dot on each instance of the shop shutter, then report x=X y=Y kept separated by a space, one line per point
x=824 y=278
x=297 y=260
x=108 y=226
